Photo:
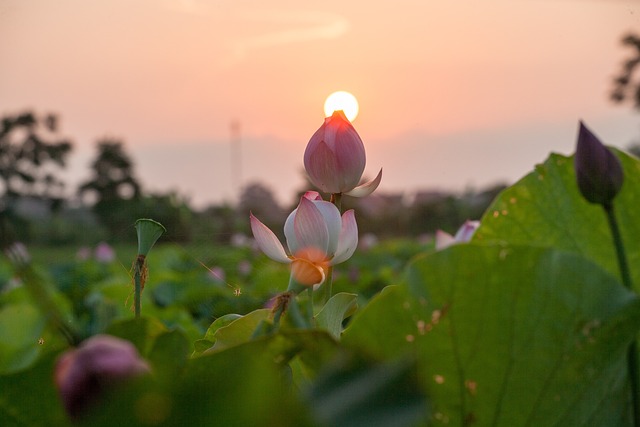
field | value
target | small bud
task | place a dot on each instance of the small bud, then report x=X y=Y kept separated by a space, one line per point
x=598 y=170
x=83 y=374
x=149 y=231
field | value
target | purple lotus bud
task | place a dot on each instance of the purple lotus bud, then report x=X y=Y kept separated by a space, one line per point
x=83 y=374
x=598 y=170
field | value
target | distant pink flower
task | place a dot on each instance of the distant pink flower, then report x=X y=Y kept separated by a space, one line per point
x=368 y=241
x=317 y=237
x=104 y=253
x=239 y=240
x=464 y=234
x=244 y=267
x=82 y=375
x=18 y=253
x=335 y=158
x=83 y=254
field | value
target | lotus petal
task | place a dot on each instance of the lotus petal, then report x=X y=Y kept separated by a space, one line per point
x=267 y=241
x=348 y=241
x=366 y=188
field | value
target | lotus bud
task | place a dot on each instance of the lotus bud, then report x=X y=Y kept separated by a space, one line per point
x=464 y=234
x=598 y=170
x=84 y=374
x=335 y=158
x=149 y=231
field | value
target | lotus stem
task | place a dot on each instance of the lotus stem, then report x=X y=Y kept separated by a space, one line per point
x=138 y=280
x=632 y=352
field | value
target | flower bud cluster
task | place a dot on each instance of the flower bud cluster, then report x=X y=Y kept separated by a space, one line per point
x=318 y=235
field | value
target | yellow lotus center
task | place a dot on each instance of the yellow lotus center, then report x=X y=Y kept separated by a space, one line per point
x=309 y=266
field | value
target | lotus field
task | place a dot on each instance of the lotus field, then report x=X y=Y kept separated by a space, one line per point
x=527 y=316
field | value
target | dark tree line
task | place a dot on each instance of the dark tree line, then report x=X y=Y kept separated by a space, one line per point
x=31 y=156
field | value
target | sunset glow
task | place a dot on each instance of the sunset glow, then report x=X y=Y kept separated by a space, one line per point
x=344 y=101
x=454 y=93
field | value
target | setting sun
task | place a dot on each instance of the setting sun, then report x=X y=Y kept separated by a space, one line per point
x=344 y=101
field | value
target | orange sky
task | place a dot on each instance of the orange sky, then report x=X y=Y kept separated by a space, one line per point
x=452 y=93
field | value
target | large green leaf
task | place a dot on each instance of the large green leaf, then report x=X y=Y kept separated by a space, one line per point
x=209 y=339
x=21 y=326
x=29 y=398
x=239 y=330
x=169 y=355
x=354 y=392
x=509 y=335
x=339 y=307
x=545 y=208
x=385 y=326
x=142 y=332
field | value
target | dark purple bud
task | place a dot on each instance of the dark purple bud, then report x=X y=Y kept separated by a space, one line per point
x=598 y=170
x=83 y=374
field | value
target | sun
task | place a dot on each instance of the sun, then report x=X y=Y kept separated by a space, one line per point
x=344 y=101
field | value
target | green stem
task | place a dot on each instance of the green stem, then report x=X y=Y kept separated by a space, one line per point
x=276 y=317
x=632 y=352
x=297 y=319
x=336 y=199
x=310 y=311
x=137 y=280
x=327 y=288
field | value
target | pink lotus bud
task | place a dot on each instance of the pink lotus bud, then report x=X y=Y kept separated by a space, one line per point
x=598 y=170
x=464 y=234
x=83 y=374
x=335 y=158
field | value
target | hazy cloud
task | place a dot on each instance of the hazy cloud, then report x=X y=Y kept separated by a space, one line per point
x=293 y=27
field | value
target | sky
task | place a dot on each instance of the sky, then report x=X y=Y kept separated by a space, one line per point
x=454 y=94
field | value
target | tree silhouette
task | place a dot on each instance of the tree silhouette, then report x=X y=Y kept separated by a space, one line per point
x=113 y=178
x=27 y=157
x=116 y=190
x=627 y=84
x=30 y=157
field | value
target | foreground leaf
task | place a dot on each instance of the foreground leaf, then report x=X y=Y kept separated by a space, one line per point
x=545 y=208
x=357 y=393
x=510 y=336
x=29 y=398
x=20 y=327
